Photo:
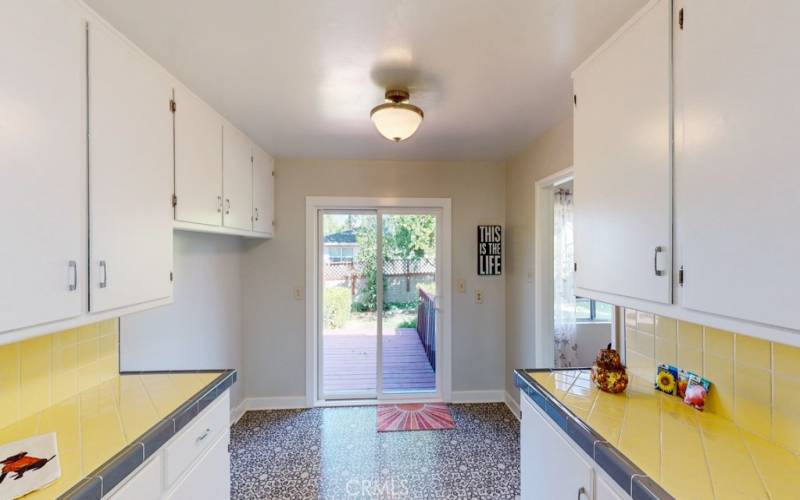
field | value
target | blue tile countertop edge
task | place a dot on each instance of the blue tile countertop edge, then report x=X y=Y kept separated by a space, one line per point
x=624 y=472
x=103 y=479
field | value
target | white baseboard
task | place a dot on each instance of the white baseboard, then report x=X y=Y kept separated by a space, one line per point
x=512 y=405
x=279 y=403
x=478 y=397
x=237 y=411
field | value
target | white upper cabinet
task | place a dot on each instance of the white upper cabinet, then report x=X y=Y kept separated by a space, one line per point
x=42 y=162
x=623 y=162
x=737 y=180
x=130 y=174
x=237 y=179
x=198 y=160
x=263 y=191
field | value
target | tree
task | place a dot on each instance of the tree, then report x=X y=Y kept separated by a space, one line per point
x=407 y=238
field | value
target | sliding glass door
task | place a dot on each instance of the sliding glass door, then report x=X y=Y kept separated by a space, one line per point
x=378 y=319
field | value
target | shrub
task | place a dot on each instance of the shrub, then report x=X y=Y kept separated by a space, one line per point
x=337 y=307
x=409 y=323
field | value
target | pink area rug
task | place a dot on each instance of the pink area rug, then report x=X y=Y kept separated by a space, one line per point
x=414 y=417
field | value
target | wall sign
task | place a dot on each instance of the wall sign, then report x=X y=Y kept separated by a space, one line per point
x=490 y=250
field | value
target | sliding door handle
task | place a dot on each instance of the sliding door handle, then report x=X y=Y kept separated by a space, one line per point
x=658 y=272
x=103 y=267
x=73 y=279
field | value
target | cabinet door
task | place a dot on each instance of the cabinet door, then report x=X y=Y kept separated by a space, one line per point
x=42 y=162
x=146 y=483
x=210 y=476
x=736 y=166
x=263 y=192
x=198 y=160
x=605 y=491
x=550 y=468
x=130 y=175
x=623 y=164
x=237 y=179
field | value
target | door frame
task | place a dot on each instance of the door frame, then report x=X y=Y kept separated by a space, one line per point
x=543 y=273
x=312 y=295
x=544 y=347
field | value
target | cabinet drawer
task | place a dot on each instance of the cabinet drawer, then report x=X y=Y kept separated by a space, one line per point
x=187 y=446
x=144 y=484
x=209 y=477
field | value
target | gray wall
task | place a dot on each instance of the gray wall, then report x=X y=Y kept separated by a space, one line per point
x=274 y=322
x=203 y=327
x=546 y=155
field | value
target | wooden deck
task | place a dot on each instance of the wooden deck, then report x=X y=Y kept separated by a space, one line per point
x=349 y=362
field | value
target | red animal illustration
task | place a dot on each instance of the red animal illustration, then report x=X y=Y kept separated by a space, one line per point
x=22 y=463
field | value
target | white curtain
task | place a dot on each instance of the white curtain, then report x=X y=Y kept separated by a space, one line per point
x=566 y=347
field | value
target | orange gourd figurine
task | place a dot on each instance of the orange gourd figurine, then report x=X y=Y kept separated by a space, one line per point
x=608 y=373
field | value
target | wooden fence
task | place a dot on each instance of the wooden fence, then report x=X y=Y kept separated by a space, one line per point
x=426 y=325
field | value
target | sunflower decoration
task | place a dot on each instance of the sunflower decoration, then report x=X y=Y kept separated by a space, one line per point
x=666 y=379
x=666 y=382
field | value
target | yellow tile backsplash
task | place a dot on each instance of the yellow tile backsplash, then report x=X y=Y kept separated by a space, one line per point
x=755 y=382
x=40 y=372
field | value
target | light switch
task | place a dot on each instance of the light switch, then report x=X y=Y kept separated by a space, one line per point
x=298 y=294
x=478 y=296
x=461 y=286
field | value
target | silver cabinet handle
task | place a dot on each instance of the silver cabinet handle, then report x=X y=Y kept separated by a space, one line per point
x=219 y=204
x=658 y=272
x=73 y=283
x=203 y=435
x=256 y=209
x=104 y=267
x=582 y=492
x=228 y=206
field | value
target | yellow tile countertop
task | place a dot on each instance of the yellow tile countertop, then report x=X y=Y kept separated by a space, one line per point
x=689 y=453
x=100 y=423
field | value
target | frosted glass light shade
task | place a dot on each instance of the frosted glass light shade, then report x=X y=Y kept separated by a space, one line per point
x=396 y=121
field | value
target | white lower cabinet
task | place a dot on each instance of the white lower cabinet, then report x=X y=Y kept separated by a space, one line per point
x=194 y=464
x=553 y=467
x=605 y=490
x=146 y=483
x=209 y=478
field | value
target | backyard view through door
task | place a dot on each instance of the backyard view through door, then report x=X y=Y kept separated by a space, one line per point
x=378 y=331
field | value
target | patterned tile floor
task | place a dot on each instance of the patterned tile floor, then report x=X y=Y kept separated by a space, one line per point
x=336 y=453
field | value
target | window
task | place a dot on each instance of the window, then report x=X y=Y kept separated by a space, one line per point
x=592 y=310
x=339 y=255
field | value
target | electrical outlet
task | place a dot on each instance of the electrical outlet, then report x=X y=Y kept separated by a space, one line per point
x=478 y=296
x=298 y=294
x=461 y=286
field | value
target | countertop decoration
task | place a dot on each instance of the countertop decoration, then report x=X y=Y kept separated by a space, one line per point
x=608 y=372
x=28 y=464
x=689 y=386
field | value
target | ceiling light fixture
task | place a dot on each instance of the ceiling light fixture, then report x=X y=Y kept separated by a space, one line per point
x=396 y=119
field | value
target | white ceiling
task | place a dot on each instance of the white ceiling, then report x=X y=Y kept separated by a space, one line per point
x=300 y=76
